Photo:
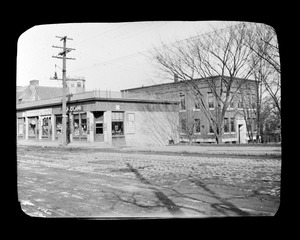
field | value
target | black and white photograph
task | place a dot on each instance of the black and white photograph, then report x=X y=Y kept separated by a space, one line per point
x=148 y=120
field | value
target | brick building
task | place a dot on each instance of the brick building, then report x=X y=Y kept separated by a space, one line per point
x=236 y=128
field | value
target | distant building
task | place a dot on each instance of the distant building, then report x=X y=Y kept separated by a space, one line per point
x=35 y=92
x=235 y=126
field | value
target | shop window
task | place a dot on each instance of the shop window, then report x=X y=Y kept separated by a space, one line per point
x=117 y=119
x=32 y=127
x=20 y=126
x=45 y=126
x=58 y=125
x=197 y=126
x=83 y=124
x=79 y=124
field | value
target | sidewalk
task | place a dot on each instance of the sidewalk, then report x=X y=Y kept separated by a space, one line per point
x=213 y=149
x=201 y=149
x=75 y=144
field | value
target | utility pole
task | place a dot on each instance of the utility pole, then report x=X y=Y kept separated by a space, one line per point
x=62 y=55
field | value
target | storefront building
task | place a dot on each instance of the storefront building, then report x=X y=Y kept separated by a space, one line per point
x=116 y=121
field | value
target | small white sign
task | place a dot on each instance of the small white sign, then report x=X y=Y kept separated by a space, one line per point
x=117 y=107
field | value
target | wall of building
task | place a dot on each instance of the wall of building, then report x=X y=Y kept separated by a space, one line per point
x=151 y=126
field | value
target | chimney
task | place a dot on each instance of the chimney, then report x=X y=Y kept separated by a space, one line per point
x=175 y=78
x=34 y=83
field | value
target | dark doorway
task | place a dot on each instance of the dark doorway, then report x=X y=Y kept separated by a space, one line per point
x=98 y=126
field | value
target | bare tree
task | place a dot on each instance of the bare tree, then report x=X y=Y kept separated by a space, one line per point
x=266 y=72
x=266 y=61
x=222 y=53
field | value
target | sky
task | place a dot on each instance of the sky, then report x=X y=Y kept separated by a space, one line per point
x=110 y=56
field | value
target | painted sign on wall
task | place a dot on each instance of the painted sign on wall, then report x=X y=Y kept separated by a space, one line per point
x=78 y=108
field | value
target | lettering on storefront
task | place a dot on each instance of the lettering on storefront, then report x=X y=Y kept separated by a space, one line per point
x=74 y=109
x=39 y=112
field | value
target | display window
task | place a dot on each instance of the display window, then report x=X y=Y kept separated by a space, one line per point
x=58 y=125
x=32 y=127
x=21 y=126
x=117 y=123
x=80 y=125
x=46 y=126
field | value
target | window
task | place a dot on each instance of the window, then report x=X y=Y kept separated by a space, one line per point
x=226 y=125
x=197 y=126
x=232 y=125
x=78 y=84
x=240 y=101
x=32 y=126
x=117 y=119
x=72 y=84
x=20 y=126
x=254 y=126
x=99 y=128
x=231 y=103
x=253 y=105
x=210 y=129
x=183 y=125
x=45 y=126
x=58 y=125
x=79 y=125
x=83 y=124
x=197 y=105
x=182 y=101
x=211 y=103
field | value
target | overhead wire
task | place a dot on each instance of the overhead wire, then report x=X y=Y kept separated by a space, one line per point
x=122 y=58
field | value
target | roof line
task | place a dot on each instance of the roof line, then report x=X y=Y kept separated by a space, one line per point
x=180 y=82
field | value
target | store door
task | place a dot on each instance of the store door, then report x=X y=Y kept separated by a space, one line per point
x=99 y=137
x=99 y=131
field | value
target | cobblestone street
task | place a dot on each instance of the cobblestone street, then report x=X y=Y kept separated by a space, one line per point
x=56 y=182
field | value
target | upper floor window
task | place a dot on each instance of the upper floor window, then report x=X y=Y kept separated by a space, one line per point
x=182 y=101
x=211 y=102
x=78 y=84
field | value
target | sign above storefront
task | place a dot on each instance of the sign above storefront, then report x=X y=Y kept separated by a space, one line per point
x=75 y=109
x=38 y=112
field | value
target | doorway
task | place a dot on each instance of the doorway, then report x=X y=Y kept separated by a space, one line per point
x=99 y=137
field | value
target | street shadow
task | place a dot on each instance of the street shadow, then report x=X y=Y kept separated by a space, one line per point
x=166 y=202
x=224 y=206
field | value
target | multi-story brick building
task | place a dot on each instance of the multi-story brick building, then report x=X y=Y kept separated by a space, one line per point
x=194 y=126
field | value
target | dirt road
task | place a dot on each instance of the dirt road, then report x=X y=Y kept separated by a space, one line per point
x=53 y=182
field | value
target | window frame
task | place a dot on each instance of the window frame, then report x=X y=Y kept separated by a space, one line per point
x=210 y=96
x=117 y=118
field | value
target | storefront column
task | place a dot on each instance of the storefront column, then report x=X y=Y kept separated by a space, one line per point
x=71 y=124
x=107 y=127
x=90 y=117
x=39 y=127
x=26 y=128
x=53 y=130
